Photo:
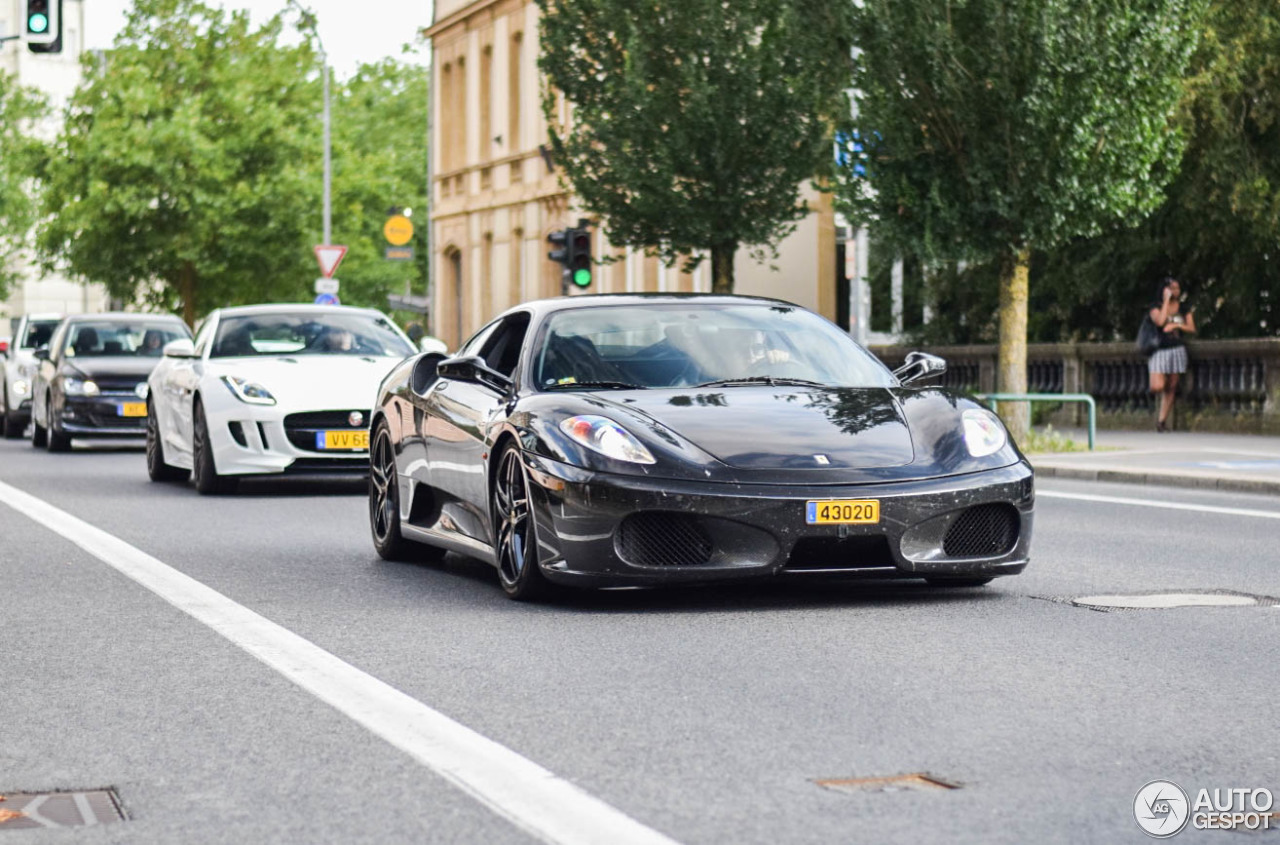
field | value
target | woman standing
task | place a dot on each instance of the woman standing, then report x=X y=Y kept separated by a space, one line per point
x=1169 y=362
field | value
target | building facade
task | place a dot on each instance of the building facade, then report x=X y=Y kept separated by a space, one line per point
x=56 y=75
x=496 y=195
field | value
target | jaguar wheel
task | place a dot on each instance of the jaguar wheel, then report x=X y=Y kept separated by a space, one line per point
x=384 y=504
x=515 y=535
x=208 y=482
x=157 y=469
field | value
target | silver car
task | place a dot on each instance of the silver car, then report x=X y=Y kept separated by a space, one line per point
x=30 y=332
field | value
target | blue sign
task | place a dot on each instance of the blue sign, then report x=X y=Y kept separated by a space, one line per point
x=327 y=299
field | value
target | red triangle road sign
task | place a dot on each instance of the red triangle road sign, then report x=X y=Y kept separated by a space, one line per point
x=329 y=256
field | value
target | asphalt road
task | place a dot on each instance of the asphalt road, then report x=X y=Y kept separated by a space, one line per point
x=704 y=714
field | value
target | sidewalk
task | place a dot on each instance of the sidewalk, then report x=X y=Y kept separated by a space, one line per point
x=1239 y=462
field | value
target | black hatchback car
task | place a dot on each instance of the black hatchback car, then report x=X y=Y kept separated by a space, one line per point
x=92 y=377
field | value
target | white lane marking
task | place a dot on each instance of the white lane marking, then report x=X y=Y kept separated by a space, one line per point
x=527 y=795
x=1152 y=503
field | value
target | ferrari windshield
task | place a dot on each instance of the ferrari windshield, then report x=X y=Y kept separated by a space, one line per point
x=699 y=344
x=105 y=339
x=309 y=333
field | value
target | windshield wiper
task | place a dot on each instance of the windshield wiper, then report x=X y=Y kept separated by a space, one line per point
x=769 y=380
x=606 y=385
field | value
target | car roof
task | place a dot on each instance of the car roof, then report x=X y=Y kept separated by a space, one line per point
x=543 y=307
x=291 y=308
x=46 y=317
x=110 y=316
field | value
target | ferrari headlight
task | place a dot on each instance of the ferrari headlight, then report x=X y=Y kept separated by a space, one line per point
x=21 y=387
x=605 y=436
x=80 y=387
x=248 y=391
x=984 y=434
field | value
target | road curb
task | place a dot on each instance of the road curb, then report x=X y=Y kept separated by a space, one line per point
x=1167 y=479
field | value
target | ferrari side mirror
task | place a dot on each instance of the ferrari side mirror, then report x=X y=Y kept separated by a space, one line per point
x=920 y=365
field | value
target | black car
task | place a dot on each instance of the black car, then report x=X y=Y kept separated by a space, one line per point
x=92 y=377
x=634 y=440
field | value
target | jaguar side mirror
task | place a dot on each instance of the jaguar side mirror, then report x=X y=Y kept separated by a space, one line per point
x=181 y=348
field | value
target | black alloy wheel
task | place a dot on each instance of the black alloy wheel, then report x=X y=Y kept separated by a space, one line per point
x=56 y=439
x=208 y=482
x=515 y=535
x=157 y=469
x=384 y=504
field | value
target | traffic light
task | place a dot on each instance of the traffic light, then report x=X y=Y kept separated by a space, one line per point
x=579 y=264
x=43 y=26
x=573 y=253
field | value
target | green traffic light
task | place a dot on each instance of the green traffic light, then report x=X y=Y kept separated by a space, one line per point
x=582 y=278
x=37 y=23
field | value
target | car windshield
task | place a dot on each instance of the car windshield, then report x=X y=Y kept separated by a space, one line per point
x=37 y=334
x=696 y=344
x=309 y=333
x=102 y=339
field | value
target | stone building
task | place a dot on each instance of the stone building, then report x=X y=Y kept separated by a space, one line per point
x=496 y=196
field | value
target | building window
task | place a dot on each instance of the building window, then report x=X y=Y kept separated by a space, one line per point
x=517 y=265
x=486 y=104
x=458 y=114
x=446 y=121
x=513 y=92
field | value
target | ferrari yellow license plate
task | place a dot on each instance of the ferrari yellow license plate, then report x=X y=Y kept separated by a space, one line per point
x=132 y=409
x=843 y=512
x=342 y=439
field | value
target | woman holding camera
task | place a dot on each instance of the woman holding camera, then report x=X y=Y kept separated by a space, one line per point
x=1169 y=362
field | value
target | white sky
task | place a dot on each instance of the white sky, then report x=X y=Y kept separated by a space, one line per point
x=353 y=31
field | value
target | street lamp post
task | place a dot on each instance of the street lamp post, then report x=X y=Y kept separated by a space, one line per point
x=308 y=22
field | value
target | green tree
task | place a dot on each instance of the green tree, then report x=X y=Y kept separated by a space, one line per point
x=22 y=155
x=380 y=161
x=1219 y=231
x=695 y=122
x=181 y=176
x=996 y=127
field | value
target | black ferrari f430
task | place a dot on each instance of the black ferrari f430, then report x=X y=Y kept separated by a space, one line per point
x=638 y=440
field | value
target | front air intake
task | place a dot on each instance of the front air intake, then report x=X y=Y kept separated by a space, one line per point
x=662 y=539
x=983 y=531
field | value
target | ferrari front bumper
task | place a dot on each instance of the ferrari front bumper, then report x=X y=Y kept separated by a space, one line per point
x=597 y=529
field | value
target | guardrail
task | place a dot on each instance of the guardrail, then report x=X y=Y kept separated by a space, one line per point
x=992 y=398
x=1231 y=385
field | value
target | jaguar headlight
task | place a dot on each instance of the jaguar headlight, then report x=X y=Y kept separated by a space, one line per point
x=248 y=391
x=80 y=387
x=984 y=434
x=603 y=435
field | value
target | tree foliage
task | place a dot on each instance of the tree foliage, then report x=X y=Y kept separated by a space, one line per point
x=22 y=155
x=990 y=128
x=181 y=174
x=380 y=161
x=695 y=122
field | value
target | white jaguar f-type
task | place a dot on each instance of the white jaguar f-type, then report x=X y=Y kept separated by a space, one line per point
x=269 y=389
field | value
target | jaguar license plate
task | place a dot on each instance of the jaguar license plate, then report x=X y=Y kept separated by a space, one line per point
x=843 y=512
x=342 y=440
x=132 y=409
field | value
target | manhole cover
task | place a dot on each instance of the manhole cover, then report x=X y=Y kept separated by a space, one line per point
x=1161 y=601
x=19 y=810
x=916 y=782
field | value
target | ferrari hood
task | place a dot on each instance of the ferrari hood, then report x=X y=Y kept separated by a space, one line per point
x=761 y=427
x=312 y=382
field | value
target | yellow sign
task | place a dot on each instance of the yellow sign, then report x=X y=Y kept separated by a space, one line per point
x=398 y=229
